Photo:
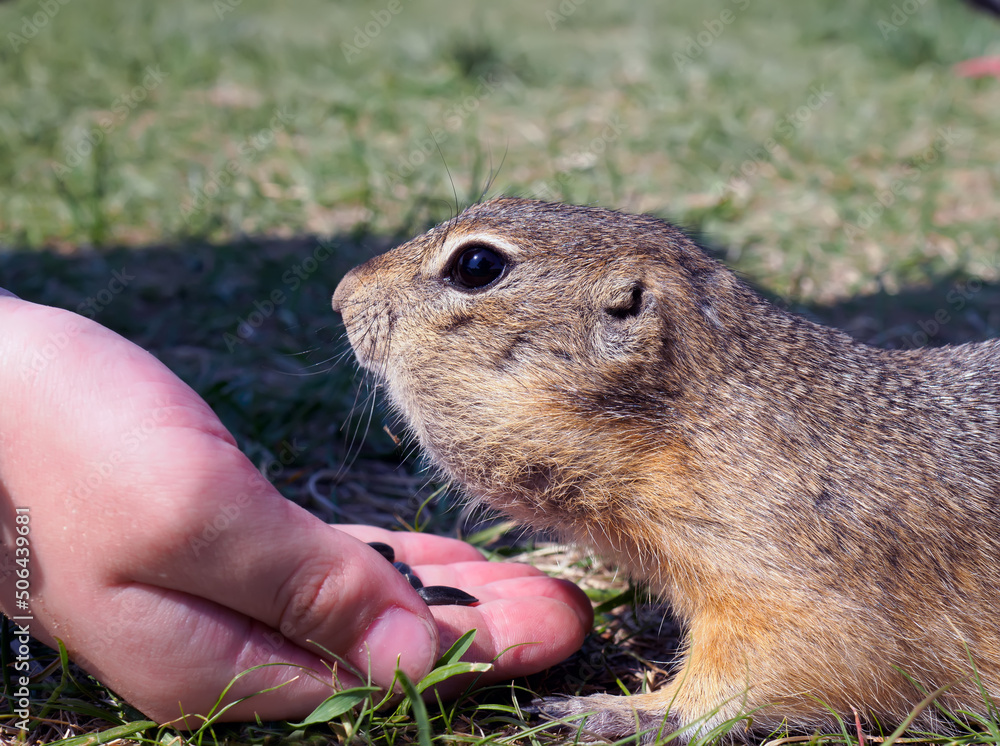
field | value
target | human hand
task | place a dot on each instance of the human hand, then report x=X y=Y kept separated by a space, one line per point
x=168 y=565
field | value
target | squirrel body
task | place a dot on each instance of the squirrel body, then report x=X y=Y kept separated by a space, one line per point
x=822 y=516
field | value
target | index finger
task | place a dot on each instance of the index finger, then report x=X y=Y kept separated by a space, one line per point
x=416 y=548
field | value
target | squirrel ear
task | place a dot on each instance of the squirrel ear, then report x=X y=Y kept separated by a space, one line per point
x=625 y=303
x=627 y=321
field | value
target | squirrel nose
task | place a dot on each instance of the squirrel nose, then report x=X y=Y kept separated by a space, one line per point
x=344 y=290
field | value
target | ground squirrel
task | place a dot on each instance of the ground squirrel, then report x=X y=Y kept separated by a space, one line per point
x=823 y=516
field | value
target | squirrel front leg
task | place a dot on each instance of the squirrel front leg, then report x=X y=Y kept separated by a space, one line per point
x=694 y=701
x=720 y=679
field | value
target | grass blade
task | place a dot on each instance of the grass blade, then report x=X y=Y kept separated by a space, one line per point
x=337 y=704
x=443 y=673
x=109 y=735
x=458 y=649
x=419 y=709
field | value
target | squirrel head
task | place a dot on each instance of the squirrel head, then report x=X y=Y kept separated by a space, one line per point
x=521 y=339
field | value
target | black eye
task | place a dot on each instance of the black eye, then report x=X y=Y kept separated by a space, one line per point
x=477 y=267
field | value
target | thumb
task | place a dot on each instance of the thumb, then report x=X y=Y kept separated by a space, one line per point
x=231 y=538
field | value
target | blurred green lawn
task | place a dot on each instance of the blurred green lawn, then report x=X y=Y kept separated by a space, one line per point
x=168 y=167
x=136 y=123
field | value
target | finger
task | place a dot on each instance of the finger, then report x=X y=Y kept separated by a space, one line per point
x=416 y=548
x=317 y=586
x=490 y=581
x=519 y=635
x=531 y=588
x=466 y=575
x=222 y=651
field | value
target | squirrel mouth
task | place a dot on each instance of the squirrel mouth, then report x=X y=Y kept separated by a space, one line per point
x=369 y=326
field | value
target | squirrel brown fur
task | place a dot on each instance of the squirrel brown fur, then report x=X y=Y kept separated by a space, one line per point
x=823 y=516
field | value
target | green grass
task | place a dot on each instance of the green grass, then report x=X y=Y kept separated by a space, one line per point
x=601 y=108
x=211 y=152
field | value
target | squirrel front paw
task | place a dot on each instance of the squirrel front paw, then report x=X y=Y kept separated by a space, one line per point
x=605 y=717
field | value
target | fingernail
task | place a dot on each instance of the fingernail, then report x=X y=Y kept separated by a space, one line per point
x=397 y=633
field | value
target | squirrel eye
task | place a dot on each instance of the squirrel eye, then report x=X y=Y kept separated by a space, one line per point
x=477 y=267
